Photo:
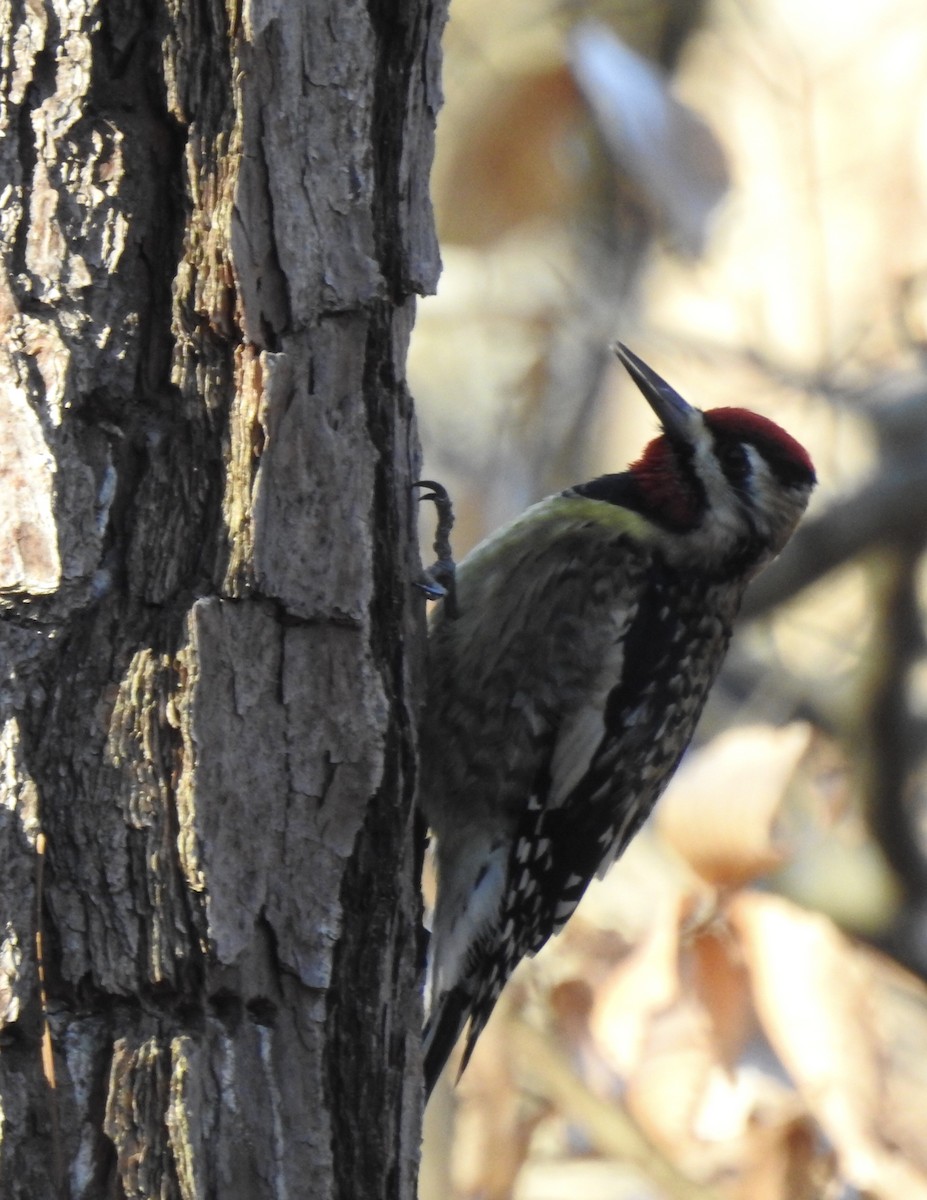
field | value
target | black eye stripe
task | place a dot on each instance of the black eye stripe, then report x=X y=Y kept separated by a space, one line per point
x=731 y=453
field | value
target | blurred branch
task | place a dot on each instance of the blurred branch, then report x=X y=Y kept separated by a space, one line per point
x=895 y=753
x=885 y=525
x=607 y=1124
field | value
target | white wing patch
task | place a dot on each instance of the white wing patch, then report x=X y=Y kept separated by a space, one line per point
x=581 y=731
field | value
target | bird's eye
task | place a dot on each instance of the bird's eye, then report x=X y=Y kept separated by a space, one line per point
x=733 y=461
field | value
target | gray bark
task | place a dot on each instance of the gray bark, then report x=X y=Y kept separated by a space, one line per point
x=213 y=224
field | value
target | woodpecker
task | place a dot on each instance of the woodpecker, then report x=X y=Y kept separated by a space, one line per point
x=565 y=688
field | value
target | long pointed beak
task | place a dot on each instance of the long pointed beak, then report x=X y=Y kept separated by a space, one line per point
x=673 y=412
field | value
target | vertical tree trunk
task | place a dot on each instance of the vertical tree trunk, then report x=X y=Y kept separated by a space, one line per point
x=214 y=221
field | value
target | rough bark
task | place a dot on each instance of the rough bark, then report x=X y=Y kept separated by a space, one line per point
x=213 y=223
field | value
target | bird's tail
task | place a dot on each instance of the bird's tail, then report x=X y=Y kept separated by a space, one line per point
x=442 y=1029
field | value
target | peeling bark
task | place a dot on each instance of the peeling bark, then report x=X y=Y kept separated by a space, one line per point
x=213 y=224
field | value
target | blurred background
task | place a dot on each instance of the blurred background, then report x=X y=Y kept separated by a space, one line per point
x=738 y=190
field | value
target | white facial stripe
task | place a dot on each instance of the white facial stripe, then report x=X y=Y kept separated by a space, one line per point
x=708 y=468
x=776 y=509
x=763 y=488
x=724 y=503
x=759 y=468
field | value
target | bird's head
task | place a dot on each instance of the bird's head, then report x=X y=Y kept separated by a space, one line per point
x=731 y=481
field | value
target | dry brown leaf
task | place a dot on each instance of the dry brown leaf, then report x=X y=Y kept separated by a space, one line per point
x=673 y=1020
x=784 y=1162
x=643 y=985
x=721 y=812
x=656 y=1036
x=716 y=973
x=667 y=1093
x=900 y=1020
x=818 y=998
x=508 y=166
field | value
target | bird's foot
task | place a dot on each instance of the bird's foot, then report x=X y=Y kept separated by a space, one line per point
x=438 y=581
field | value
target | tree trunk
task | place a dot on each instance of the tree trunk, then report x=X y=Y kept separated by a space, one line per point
x=213 y=224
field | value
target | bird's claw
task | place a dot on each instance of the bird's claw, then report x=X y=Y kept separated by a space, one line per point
x=438 y=581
